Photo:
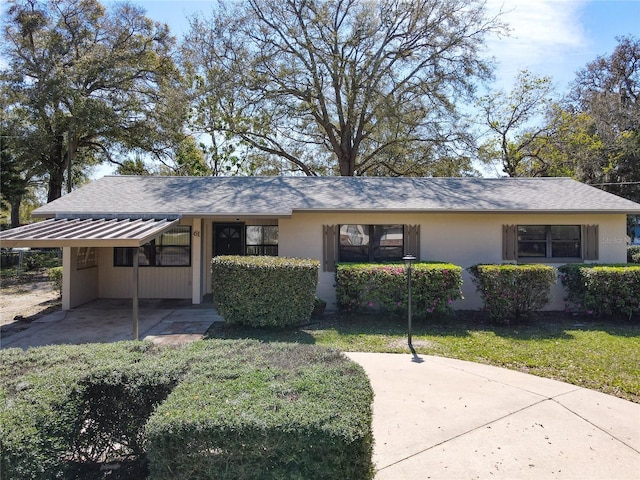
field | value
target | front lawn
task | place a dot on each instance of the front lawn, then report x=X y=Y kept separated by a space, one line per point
x=596 y=354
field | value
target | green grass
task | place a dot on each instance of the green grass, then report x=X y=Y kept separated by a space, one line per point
x=595 y=354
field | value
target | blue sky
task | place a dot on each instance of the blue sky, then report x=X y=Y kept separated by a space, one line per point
x=549 y=37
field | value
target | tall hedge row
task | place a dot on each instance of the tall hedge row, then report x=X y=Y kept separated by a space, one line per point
x=435 y=286
x=264 y=291
x=212 y=409
x=602 y=289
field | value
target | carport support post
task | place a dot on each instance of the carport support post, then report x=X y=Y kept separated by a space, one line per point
x=136 y=268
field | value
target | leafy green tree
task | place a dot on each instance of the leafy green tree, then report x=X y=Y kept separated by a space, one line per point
x=134 y=166
x=570 y=147
x=608 y=91
x=514 y=122
x=190 y=159
x=90 y=84
x=338 y=87
x=14 y=181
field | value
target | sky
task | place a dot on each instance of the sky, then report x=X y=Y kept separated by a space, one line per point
x=554 y=38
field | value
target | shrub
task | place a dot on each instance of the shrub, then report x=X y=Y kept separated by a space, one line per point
x=264 y=291
x=434 y=287
x=212 y=409
x=602 y=289
x=36 y=260
x=66 y=406
x=55 y=275
x=633 y=254
x=289 y=411
x=510 y=291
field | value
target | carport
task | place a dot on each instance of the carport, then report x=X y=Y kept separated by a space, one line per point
x=83 y=235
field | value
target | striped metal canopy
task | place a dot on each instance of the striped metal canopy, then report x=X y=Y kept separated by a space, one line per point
x=86 y=232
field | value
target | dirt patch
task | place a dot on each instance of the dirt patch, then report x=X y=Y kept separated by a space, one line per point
x=24 y=300
x=402 y=343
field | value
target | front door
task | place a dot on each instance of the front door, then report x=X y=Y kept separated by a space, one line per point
x=228 y=239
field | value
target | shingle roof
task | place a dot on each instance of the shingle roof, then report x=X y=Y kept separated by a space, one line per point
x=280 y=196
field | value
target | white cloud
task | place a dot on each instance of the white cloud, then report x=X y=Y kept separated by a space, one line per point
x=544 y=33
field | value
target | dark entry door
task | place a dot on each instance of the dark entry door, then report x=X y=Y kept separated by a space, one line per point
x=228 y=239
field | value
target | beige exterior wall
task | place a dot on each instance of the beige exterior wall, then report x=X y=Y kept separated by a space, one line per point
x=79 y=285
x=153 y=282
x=462 y=239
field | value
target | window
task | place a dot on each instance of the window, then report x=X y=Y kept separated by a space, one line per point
x=262 y=240
x=371 y=243
x=549 y=241
x=171 y=249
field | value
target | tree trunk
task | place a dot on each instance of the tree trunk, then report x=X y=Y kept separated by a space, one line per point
x=57 y=168
x=55 y=184
x=15 y=211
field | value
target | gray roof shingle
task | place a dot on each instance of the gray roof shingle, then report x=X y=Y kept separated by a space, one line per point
x=280 y=196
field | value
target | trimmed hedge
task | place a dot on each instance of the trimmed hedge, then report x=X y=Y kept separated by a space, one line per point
x=264 y=291
x=211 y=409
x=287 y=413
x=510 y=291
x=633 y=254
x=434 y=287
x=602 y=289
x=66 y=405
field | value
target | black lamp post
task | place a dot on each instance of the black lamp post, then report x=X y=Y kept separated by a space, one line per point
x=408 y=260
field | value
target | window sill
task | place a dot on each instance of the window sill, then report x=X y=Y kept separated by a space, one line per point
x=549 y=260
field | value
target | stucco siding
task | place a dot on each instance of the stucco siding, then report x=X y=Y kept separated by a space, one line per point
x=462 y=239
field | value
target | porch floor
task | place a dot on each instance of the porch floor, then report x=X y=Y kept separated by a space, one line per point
x=162 y=321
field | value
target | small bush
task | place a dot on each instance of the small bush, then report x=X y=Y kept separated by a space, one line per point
x=55 y=275
x=434 y=287
x=37 y=260
x=602 y=289
x=511 y=291
x=633 y=254
x=264 y=291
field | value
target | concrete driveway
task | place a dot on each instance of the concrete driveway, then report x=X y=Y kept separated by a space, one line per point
x=434 y=417
x=105 y=321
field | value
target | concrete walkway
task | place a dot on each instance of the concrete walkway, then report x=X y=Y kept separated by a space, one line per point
x=439 y=418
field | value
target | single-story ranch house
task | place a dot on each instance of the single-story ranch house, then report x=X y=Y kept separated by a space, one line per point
x=177 y=224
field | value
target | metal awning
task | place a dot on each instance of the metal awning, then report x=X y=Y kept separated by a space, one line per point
x=86 y=232
x=91 y=232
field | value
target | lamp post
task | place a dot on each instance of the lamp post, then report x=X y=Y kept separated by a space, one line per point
x=408 y=260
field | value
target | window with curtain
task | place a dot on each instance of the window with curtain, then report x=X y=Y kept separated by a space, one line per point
x=371 y=243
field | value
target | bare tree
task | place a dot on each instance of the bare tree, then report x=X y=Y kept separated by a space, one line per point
x=349 y=87
x=516 y=124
